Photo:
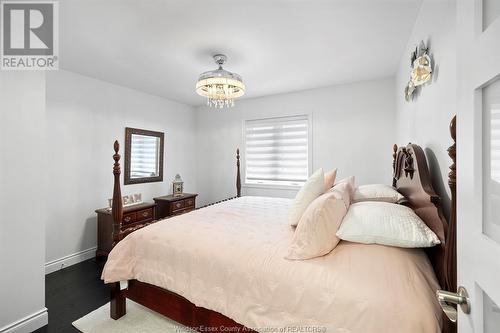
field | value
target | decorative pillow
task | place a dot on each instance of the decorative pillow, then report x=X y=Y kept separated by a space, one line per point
x=377 y=192
x=315 y=233
x=387 y=224
x=312 y=189
x=346 y=187
x=330 y=179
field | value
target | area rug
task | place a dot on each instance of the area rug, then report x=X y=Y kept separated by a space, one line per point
x=137 y=319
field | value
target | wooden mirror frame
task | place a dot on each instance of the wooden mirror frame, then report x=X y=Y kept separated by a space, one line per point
x=128 y=145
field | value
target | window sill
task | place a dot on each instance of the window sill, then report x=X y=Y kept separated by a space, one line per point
x=273 y=187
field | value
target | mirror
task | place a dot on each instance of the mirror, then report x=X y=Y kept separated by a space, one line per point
x=143 y=156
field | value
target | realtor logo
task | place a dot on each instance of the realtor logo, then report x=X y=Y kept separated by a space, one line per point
x=29 y=35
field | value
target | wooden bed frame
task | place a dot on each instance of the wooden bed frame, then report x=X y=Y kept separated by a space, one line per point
x=411 y=177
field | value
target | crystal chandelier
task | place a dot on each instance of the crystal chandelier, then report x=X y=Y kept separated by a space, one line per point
x=219 y=86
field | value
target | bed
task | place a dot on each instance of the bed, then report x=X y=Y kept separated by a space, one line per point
x=222 y=268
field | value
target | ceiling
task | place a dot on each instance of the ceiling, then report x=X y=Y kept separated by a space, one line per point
x=161 y=46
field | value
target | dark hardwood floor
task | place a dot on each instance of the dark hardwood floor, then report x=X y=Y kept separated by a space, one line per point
x=71 y=293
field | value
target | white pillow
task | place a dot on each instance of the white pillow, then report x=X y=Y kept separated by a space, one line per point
x=313 y=188
x=315 y=234
x=387 y=224
x=377 y=192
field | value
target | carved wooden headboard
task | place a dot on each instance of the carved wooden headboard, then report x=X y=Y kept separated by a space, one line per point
x=412 y=179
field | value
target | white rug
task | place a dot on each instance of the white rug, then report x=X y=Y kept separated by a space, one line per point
x=138 y=319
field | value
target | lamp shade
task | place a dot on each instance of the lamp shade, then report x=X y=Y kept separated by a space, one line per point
x=220 y=86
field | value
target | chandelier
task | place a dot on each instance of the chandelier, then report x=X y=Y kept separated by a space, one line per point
x=219 y=86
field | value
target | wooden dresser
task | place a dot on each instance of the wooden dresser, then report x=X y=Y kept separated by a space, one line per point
x=132 y=215
x=169 y=205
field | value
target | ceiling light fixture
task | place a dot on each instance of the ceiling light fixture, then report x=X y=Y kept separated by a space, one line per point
x=219 y=86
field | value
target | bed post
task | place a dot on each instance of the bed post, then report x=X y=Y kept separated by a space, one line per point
x=238 y=178
x=117 y=206
x=394 y=154
x=450 y=255
x=117 y=303
x=117 y=298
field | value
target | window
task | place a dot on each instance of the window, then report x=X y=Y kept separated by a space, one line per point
x=277 y=151
x=491 y=160
x=144 y=156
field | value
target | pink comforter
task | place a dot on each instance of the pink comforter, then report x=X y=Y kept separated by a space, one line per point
x=230 y=258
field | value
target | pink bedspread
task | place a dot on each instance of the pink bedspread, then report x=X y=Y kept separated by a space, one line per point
x=230 y=258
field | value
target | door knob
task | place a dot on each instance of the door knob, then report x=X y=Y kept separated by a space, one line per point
x=445 y=298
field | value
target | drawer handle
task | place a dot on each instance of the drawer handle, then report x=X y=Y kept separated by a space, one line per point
x=127 y=219
x=178 y=205
x=145 y=214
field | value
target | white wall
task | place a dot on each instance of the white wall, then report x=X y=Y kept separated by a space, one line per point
x=84 y=117
x=426 y=119
x=22 y=201
x=352 y=124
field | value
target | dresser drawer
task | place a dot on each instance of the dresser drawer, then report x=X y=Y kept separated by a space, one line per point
x=129 y=218
x=169 y=205
x=135 y=216
x=176 y=205
x=145 y=214
x=182 y=211
x=189 y=203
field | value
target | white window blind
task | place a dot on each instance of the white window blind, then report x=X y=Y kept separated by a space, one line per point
x=277 y=150
x=495 y=142
x=144 y=161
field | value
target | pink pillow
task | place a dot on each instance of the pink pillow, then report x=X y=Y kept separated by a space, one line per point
x=315 y=235
x=330 y=179
x=345 y=188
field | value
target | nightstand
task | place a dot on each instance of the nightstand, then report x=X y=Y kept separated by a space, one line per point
x=132 y=215
x=170 y=205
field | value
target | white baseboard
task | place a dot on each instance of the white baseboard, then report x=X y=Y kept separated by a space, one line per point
x=28 y=324
x=72 y=259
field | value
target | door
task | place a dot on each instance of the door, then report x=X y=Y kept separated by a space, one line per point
x=478 y=163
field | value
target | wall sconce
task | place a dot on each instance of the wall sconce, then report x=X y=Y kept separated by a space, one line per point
x=421 y=70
